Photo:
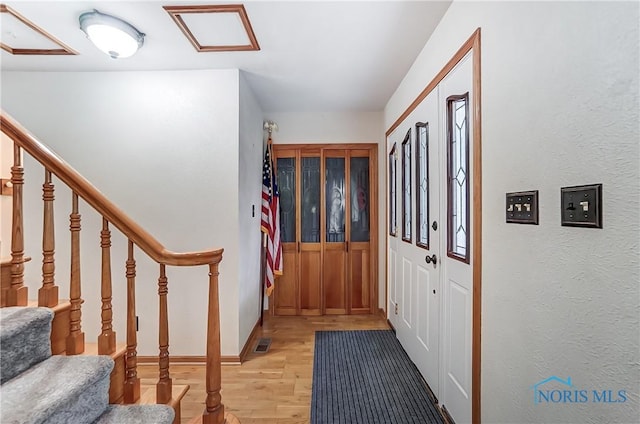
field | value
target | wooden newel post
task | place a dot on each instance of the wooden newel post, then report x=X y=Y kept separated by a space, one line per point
x=48 y=293
x=214 y=409
x=17 y=293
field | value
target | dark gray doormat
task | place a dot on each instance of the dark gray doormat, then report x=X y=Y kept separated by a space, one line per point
x=366 y=377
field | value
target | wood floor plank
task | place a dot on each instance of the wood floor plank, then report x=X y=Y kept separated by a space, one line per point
x=272 y=387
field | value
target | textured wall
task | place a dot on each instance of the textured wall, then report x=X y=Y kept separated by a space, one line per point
x=560 y=108
x=157 y=144
x=250 y=194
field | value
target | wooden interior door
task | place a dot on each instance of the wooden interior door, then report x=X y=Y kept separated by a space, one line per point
x=335 y=195
x=328 y=229
x=310 y=247
x=287 y=285
x=359 y=213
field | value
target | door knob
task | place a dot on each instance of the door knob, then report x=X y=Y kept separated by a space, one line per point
x=434 y=225
x=431 y=259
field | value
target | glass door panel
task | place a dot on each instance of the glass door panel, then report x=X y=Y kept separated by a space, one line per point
x=359 y=192
x=287 y=187
x=335 y=199
x=310 y=208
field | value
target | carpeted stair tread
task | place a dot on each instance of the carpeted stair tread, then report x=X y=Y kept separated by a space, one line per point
x=137 y=414
x=24 y=339
x=61 y=389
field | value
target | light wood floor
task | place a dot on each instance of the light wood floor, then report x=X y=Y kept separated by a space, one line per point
x=272 y=387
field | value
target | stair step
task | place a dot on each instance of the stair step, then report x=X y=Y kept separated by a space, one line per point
x=24 y=339
x=137 y=414
x=178 y=391
x=116 y=386
x=59 y=326
x=61 y=389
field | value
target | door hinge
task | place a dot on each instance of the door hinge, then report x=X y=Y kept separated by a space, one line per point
x=396 y=309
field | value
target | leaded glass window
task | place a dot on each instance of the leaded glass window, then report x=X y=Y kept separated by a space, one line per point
x=287 y=189
x=422 y=184
x=458 y=176
x=359 y=192
x=406 y=187
x=334 y=199
x=393 y=226
x=310 y=207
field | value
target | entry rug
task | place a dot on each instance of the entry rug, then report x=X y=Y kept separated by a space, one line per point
x=366 y=377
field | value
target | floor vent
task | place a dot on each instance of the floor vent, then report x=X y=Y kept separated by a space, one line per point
x=262 y=346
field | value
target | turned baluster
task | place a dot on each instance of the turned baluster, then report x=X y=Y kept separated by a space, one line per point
x=107 y=338
x=163 y=388
x=214 y=409
x=17 y=293
x=132 y=382
x=48 y=293
x=75 y=341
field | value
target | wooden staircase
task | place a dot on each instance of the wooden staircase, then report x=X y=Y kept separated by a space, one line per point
x=67 y=336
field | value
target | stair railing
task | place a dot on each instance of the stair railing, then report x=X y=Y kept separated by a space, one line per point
x=16 y=293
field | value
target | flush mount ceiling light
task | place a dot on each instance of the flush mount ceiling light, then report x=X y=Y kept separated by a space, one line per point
x=111 y=35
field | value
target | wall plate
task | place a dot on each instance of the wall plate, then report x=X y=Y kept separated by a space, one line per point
x=522 y=207
x=581 y=206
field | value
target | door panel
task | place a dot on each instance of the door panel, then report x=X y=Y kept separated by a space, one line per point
x=334 y=279
x=359 y=268
x=286 y=298
x=335 y=253
x=406 y=293
x=458 y=272
x=286 y=287
x=310 y=287
x=419 y=328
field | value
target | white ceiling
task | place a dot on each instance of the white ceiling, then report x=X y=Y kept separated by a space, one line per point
x=315 y=56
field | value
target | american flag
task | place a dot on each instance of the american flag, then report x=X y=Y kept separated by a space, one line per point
x=270 y=222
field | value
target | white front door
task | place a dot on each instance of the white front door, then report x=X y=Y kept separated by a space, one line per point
x=416 y=291
x=456 y=99
x=430 y=273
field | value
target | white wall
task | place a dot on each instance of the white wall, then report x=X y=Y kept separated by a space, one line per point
x=559 y=108
x=159 y=144
x=250 y=190
x=340 y=127
x=6 y=204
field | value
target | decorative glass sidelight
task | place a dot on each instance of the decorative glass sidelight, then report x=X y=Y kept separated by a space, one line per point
x=458 y=178
x=393 y=226
x=335 y=199
x=287 y=188
x=310 y=208
x=359 y=192
x=406 y=187
x=422 y=184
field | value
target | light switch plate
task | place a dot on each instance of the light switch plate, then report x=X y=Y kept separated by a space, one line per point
x=522 y=207
x=581 y=206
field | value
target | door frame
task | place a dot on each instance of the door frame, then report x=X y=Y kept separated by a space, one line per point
x=472 y=44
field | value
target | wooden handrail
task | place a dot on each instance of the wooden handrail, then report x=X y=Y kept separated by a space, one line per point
x=98 y=201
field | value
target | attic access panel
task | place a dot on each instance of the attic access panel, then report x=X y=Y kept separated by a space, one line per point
x=23 y=37
x=215 y=28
